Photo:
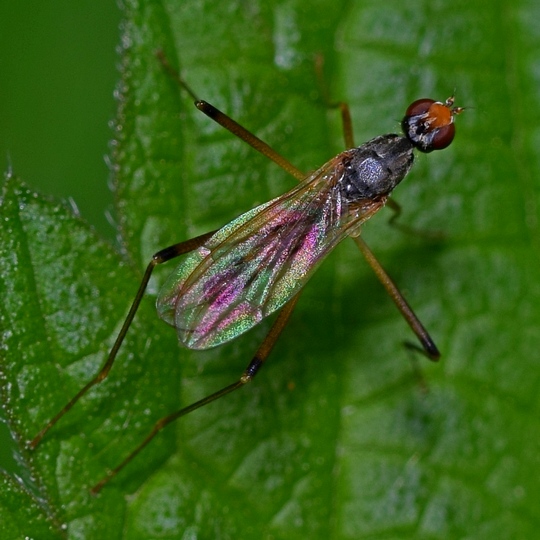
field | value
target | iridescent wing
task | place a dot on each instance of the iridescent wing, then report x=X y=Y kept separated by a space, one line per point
x=255 y=264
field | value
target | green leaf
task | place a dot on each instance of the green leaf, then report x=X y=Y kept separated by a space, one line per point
x=340 y=436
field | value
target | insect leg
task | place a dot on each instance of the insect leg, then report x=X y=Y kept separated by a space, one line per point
x=160 y=257
x=348 y=134
x=252 y=369
x=346 y=121
x=242 y=133
x=231 y=125
x=417 y=327
x=393 y=221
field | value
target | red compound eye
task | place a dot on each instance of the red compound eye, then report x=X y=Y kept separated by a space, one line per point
x=420 y=106
x=429 y=124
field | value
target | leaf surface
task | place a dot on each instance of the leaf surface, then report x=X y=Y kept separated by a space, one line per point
x=339 y=436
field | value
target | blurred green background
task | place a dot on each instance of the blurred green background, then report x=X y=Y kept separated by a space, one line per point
x=57 y=62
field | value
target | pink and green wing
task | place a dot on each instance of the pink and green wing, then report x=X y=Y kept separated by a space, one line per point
x=255 y=264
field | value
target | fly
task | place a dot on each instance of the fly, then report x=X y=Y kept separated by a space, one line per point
x=258 y=264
